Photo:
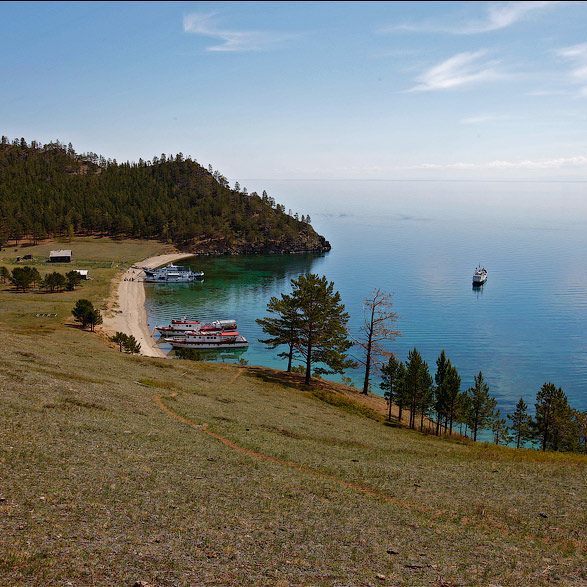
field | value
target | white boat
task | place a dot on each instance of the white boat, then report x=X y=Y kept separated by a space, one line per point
x=208 y=340
x=171 y=274
x=184 y=325
x=480 y=276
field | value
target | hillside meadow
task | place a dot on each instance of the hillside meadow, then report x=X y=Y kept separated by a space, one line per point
x=117 y=468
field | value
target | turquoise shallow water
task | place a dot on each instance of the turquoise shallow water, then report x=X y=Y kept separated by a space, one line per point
x=422 y=241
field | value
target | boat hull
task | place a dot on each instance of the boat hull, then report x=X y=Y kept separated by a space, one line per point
x=148 y=279
x=207 y=346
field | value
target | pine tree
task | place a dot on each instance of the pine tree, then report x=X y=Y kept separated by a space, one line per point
x=390 y=382
x=283 y=328
x=452 y=390
x=500 y=429
x=24 y=277
x=119 y=338
x=132 y=345
x=520 y=422
x=94 y=317
x=84 y=312
x=482 y=405
x=552 y=417
x=321 y=319
x=418 y=387
x=441 y=400
x=54 y=281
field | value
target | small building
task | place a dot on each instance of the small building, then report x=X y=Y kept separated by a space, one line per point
x=83 y=273
x=61 y=256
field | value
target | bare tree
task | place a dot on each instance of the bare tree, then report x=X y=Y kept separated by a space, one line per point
x=377 y=329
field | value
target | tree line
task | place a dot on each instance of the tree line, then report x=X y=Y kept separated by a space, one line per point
x=23 y=278
x=310 y=324
x=50 y=190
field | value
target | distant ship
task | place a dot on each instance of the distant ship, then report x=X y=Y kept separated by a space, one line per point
x=171 y=274
x=480 y=276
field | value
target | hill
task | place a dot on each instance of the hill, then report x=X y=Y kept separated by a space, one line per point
x=50 y=191
x=115 y=469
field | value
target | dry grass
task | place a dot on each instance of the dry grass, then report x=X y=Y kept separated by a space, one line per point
x=250 y=478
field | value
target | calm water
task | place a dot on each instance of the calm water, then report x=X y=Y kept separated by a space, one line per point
x=421 y=241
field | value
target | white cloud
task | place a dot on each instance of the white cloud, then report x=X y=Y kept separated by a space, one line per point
x=460 y=70
x=232 y=41
x=499 y=15
x=579 y=161
x=503 y=15
x=577 y=55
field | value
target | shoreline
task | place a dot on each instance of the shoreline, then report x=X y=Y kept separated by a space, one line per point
x=126 y=305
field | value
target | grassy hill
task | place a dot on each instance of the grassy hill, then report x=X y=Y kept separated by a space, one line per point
x=116 y=468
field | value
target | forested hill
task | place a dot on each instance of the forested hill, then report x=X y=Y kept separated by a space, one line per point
x=50 y=190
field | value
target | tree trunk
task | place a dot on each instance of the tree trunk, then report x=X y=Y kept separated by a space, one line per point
x=289 y=358
x=308 y=364
x=368 y=358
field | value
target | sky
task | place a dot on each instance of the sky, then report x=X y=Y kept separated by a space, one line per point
x=306 y=90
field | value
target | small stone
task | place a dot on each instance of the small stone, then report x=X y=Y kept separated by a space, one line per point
x=392 y=551
x=380 y=577
x=542 y=515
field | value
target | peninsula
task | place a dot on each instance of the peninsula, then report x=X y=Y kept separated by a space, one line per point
x=50 y=191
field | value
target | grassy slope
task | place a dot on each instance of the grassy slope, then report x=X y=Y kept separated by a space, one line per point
x=100 y=486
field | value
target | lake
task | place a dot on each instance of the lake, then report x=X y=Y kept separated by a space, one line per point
x=421 y=241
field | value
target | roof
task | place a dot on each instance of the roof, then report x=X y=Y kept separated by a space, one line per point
x=82 y=271
x=61 y=253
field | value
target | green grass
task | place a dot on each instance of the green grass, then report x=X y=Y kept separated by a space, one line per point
x=101 y=486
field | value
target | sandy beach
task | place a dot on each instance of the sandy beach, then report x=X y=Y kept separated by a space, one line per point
x=126 y=309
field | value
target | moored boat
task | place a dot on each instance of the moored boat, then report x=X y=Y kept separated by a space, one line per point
x=171 y=274
x=184 y=325
x=480 y=276
x=208 y=340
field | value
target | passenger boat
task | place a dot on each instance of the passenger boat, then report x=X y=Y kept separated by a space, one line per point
x=171 y=274
x=208 y=340
x=184 y=325
x=480 y=276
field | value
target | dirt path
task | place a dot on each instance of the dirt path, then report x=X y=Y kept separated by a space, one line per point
x=127 y=312
x=290 y=464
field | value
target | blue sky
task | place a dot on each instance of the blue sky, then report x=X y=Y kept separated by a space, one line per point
x=399 y=90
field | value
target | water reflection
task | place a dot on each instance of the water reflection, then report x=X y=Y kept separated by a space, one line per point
x=234 y=288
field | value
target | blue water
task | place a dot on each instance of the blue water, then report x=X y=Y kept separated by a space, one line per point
x=421 y=241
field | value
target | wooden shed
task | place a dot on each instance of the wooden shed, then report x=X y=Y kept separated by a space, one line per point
x=61 y=256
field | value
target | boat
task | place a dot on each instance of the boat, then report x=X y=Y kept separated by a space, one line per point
x=184 y=325
x=171 y=274
x=210 y=339
x=480 y=276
